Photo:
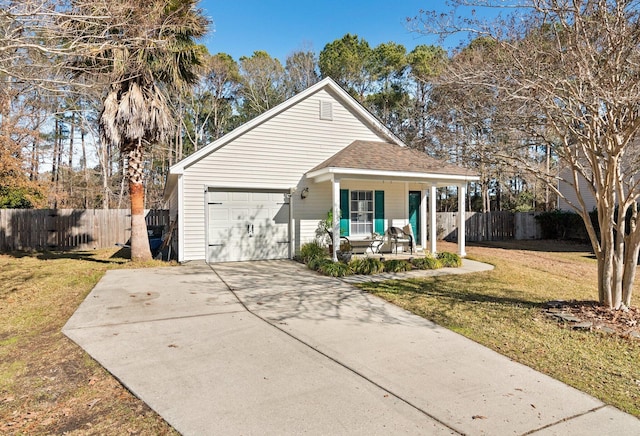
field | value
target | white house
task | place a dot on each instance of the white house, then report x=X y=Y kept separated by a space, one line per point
x=260 y=191
x=570 y=196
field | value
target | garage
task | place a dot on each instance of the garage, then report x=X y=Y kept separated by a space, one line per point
x=247 y=225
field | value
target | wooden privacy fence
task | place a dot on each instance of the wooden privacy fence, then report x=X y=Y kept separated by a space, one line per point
x=490 y=226
x=65 y=229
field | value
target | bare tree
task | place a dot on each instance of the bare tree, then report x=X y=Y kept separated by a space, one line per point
x=263 y=84
x=425 y=63
x=302 y=71
x=37 y=45
x=570 y=70
x=467 y=126
x=22 y=116
x=209 y=105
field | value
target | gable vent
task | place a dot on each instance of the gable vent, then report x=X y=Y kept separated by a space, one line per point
x=326 y=110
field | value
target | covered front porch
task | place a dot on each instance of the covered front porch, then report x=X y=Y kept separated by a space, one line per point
x=376 y=186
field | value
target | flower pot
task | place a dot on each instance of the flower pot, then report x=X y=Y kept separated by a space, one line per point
x=344 y=256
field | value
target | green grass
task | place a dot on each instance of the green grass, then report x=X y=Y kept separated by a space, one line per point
x=48 y=385
x=502 y=309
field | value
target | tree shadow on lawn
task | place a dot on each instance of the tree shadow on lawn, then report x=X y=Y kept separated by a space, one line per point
x=440 y=288
x=88 y=256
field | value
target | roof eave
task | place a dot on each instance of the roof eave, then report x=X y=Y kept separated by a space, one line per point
x=328 y=173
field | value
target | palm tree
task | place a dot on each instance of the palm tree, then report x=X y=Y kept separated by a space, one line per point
x=153 y=55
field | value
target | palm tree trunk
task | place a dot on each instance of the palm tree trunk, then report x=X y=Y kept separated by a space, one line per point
x=140 y=250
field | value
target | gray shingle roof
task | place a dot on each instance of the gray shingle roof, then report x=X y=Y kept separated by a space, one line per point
x=382 y=156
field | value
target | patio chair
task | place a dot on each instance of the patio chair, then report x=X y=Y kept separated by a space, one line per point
x=398 y=235
x=376 y=244
x=409 y=231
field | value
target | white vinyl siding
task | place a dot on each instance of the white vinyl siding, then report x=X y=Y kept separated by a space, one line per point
x=172 y=203
x=307 y=213
x=569 y=192
x=274 y=155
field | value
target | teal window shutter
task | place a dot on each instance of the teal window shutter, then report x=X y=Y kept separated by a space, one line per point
x=379 y=212
x=344 y=212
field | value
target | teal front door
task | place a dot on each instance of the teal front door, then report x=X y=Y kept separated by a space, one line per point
x=414 y=213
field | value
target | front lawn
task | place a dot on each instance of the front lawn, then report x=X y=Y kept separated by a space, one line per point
x=503 y=309
x=48 y=385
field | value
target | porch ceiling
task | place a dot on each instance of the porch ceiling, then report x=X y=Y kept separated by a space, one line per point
x=381 y=160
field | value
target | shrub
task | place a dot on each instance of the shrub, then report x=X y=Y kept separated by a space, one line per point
x=559 y=224
x=449 y=260
x=427 y=262
x=397 y=265
x=316 y=263
x=21 y=198
x=335 y=269
x=367 y=266
x=312 y=249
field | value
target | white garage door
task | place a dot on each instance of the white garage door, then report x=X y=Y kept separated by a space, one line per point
x=247 y=226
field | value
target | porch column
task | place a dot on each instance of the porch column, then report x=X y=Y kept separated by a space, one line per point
x=292 y=224
x=433 y=230
x=335 y=197
x=462 y=231
x=423 y=220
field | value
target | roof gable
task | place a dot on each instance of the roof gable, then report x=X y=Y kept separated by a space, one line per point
x=341 y=95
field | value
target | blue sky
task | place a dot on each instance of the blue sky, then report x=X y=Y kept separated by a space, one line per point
x=241 y=27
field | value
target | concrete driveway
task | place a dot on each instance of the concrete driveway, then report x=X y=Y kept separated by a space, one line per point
x=273 y=348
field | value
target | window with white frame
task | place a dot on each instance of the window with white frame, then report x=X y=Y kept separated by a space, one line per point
x=361 y=212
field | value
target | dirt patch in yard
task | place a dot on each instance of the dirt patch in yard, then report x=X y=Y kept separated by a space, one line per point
x=58 y=389
x=591 y=316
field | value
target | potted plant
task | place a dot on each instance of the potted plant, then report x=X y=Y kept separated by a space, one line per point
x=345 y=253
x=324 y=231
